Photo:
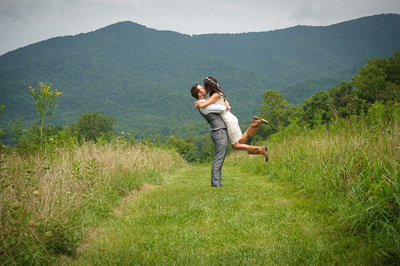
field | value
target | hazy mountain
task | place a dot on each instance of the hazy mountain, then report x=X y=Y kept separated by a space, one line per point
x=142 y=76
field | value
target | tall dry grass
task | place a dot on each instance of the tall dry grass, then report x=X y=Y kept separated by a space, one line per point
x=48 y=199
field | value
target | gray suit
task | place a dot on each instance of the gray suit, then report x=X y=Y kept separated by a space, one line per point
x=220 y=137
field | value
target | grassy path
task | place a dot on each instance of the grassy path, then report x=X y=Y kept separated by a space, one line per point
x=251 y=220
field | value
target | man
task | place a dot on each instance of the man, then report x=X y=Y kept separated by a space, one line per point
x=219 y=133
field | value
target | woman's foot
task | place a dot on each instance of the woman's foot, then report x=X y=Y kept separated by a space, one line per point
x=263 y=120
x=264 y=151
x=258 y=150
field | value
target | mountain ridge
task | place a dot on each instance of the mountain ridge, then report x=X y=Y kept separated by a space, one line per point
x=142 y=76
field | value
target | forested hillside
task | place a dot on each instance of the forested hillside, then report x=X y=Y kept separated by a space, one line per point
x=142 y=76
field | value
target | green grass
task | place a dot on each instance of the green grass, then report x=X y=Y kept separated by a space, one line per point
x=48 y=200
x=253 y=219
x=352 y=166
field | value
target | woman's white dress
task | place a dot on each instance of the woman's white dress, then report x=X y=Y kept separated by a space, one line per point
x=231 y=122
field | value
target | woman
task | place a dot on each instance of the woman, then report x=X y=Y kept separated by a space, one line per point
x=237 y=139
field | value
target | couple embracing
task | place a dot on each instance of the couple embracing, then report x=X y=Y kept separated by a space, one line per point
x=224 y=125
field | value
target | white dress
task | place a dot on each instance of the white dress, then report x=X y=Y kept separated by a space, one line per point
x=231 y=122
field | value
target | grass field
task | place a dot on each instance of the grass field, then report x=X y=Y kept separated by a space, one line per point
x=328 y=195
x=251 y=220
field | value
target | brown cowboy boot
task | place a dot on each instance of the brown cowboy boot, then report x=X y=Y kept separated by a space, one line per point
x=258 y=150
x=251 y=131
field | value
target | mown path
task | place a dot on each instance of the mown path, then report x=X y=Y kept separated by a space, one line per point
x=251 y=220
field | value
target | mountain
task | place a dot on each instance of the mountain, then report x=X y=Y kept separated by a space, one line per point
x=142 y=76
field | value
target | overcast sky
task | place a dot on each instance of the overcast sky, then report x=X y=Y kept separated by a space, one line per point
x=23 y=22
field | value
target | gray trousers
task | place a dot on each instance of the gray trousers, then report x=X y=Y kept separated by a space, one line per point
x=220 y=138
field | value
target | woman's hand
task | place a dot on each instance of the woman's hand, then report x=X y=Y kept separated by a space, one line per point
x=198 y=104
x=215 y=97
x=228 y=107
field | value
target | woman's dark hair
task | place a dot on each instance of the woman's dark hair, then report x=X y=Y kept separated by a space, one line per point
x=212 y=86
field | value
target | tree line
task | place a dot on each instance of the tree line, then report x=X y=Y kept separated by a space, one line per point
x=378 y=81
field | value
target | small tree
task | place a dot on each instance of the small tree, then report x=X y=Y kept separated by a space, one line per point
x=274 y=109
x=318 y=108
x=187 y=149
x=45 y=101
x=91 y=126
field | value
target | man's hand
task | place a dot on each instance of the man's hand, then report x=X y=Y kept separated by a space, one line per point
x=196 y=104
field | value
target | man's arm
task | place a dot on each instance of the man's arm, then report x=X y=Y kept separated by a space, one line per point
x=213 y=108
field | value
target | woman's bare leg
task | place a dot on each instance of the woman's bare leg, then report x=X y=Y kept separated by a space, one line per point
x=240 y=146
x=244 y=138
x=252 y=149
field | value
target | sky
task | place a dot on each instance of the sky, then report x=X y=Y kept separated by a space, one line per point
x=24 y=22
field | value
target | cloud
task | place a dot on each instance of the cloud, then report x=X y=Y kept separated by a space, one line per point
x=314 y=12
x=24 y=11
x=27 y=21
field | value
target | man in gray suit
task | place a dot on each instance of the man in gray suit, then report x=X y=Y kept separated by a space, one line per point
x=218 y=133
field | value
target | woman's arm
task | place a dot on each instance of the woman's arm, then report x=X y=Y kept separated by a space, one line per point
x=215 y=97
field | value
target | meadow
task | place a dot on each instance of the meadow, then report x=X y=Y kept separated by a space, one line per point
x=48 y=199
x=328 y=195
x=350 y=167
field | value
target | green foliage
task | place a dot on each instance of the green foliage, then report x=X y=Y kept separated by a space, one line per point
x=278 y=112
x=45 y=98
x=379 y=80
x=16 y=130
x=207 y=149
x=187 y=149
x=91 y=126
x=376 y=82
x=343 y=100
x=318 y=108
x=343 y=148
x=352 y=164
x=193 y=149
x=120 y=70
x=340 y=147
